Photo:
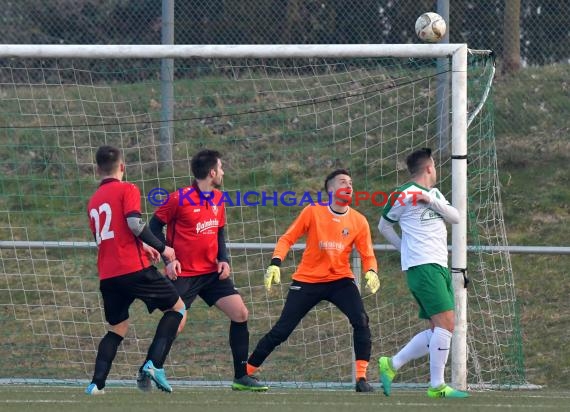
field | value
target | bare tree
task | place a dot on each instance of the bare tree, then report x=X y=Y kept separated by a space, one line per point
x=511 y=37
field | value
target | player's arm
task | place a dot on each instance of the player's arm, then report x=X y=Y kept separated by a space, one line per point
x=173 y=267
x=157 y=228
x=222 y=256
x=297 y=229
x=222 y=249
x=363 y=243
x=386 y=229
x=440 y=205
x=131 y=204
x=223 y=265
x=391 y=214
x=141 y=230
x=163 y=216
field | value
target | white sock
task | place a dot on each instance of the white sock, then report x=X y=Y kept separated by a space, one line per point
x=439 y=347
x=417 y=347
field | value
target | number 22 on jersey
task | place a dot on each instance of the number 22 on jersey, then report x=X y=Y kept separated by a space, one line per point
x=102 y=233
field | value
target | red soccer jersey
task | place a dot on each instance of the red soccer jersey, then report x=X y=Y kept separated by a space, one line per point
x=120 y=252
x=192 y=228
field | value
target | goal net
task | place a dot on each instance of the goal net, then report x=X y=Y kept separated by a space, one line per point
x=282 y=124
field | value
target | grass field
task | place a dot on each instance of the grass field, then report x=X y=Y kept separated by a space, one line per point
x=63 y=399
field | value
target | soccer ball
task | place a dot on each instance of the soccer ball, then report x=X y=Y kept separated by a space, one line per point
x=430 y=27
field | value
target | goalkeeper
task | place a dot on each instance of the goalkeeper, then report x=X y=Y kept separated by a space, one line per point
x=324 y=272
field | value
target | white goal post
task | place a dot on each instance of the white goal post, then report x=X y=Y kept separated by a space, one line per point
x=458 y=54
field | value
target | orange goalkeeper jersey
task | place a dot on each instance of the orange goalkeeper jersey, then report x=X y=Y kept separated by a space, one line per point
x=330 y=237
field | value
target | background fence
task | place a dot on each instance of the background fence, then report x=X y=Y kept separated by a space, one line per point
x=544 y=35
x=523 y=33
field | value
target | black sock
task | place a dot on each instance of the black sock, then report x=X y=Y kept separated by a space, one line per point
x=239 y=343
x=105 y=355
x=163 y=338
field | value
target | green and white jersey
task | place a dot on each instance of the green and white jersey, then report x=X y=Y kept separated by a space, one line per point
x=424 y=235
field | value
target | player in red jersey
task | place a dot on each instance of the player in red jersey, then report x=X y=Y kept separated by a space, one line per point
x=195 y=217
x=126 y=273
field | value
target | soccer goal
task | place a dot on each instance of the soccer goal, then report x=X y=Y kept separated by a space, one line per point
x=283 y=117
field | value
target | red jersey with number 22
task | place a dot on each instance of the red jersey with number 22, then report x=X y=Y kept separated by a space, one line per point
x=119 y=251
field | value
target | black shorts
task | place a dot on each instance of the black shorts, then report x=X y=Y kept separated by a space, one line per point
x=148 y=285
x=209 y=287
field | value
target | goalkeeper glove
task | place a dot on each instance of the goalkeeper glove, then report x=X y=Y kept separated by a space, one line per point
x=372 y=281
x=273 y=274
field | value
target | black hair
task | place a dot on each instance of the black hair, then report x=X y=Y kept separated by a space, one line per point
x=204 y=161
x=108 y=159
x=333 y=174
x=417 y=160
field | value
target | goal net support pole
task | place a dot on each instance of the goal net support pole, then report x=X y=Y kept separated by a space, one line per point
x=459 y=201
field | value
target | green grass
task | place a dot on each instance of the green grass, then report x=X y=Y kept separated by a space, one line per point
x=63 y=399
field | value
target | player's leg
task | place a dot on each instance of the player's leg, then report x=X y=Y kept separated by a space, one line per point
x=116 y=307
x=157 y=292
x=302 y=297
x=223 y=294
x=344 y=295
x=106 y=353
x=234 y=308
x=440 y=344
x=165 y=334
x=432 y=287
x=188 y=288
x=417 y=347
